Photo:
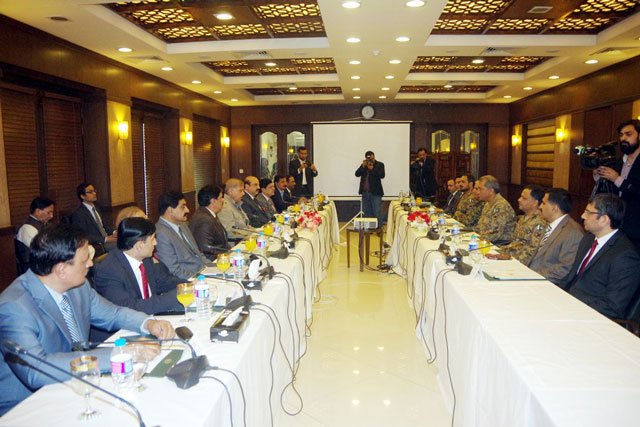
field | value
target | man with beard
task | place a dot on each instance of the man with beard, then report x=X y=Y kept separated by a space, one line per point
x=625 y=174
x=422 y=171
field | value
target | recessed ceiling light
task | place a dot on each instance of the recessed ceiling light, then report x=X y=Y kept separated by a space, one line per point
x=354 y=62
x=356 y=89
x=217 y=92
x=478 y=61
x=353 y=40
x=224 y=16
x=356 y=97
x=591 y=61
x=234 y=99
x=293 y=88
x=415 y=3
x=448 y=86
x=403 y=39
x=383 y=97
x=351 y=4
x=554 y=77
x=385 y=88
x=389 y=77
x=394 y=61
x=527 y=88
x=270 y=64
x=507 y=97
x=196 y=82
x=167 y=68
x=355 y=77
x=125 y=49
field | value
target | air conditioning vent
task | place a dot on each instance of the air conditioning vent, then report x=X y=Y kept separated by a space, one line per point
x=610 y=50
x=253 y=55
x=499 y=51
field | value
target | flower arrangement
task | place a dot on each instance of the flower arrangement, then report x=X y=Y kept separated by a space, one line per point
x=310 y=219
x=419 y=219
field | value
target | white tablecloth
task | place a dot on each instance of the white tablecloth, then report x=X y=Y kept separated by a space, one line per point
x=520 y=353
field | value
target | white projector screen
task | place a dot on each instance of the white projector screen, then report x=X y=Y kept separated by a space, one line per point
x=339 y=147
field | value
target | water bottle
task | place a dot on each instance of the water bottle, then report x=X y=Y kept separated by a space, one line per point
x=203 y=310
x=473 y=243
x=261 y=244
x=122 y=366
x=237 y=260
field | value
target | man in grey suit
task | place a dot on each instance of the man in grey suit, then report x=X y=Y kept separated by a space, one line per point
x=265 y=198
x=257 y=216
x=232 y=217
x=50 y=308
x=557 y=250
x=205 y=224
x=176 y=247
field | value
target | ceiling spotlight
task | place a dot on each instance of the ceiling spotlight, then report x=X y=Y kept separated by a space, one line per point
x=351 y=4
x=353 y=40
x=385 y=88
x=355 y=77
x=224 y=16
x=270 y=64
x=478 y=61
x=356 y=97
x=415 y=3
x=234 y=99
x=196 y=82
x=354 y=62
x=394 y=61
x=217 y=92
x=591 y=61
x=293 y=88
x=403 y=39
x=527 y=88
x=448 y=86
x=167 y=68
x=125 y=49
x=554 y=77
x=355 y=89
x=383 y=97
x=389 y=77
x=507 y=97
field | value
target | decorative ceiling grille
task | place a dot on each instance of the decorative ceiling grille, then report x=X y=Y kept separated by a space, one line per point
x=469 y=7
x=459 y=64
x=442 y=89
x=594 y=6
x=298 y=91
x=283 y=66
x=275 y=11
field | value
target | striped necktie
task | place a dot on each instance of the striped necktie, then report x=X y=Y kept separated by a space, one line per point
x=99 y=222
x=546 y=235
x=67 y=313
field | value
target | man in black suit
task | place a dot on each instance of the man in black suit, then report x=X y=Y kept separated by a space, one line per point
x=130 y=277
x=257 y=216
x=303 y=170
x=422 y=171
x=281 y=197
x=604 y=274
x=455 y=194
x=88 y=219
x=625 y=175
x=371 y=172
x=205 y=224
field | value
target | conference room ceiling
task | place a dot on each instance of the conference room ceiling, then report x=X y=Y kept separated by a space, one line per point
x=274 y=52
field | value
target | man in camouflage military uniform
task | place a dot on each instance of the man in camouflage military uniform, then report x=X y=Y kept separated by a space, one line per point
x=530 y=227
x=497 y=220
x=469 y=207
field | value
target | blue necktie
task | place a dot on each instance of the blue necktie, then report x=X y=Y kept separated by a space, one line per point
x=72 y=326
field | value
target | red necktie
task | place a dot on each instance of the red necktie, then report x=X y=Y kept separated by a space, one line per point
x=145 y=282
x=588 y=258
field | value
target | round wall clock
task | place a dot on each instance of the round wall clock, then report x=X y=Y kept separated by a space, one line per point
x=367 y=112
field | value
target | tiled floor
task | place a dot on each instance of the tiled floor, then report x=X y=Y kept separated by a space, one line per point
x=364 y=365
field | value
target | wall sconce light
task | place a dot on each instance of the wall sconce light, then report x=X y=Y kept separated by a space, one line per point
x=516 y=140
x=561 y=135
x=188 y=138
x=473 y=146
x=123 y=131
x=226 y=142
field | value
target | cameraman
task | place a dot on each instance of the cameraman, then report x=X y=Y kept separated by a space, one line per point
x=371 y=173
x=304 y=171
x=625 y=175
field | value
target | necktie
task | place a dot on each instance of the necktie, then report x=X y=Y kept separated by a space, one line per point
x=546 y=235
x=72 y=326
x=186 y=241
x=589 y=255
x=99 y=222
x=145 y=282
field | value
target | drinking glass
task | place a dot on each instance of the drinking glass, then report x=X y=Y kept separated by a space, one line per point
x=250 y=245
x=141 y=359
x=418 y=201
x=268 y=229
x=85 y=367
x=280 y=218
x=223 y=264
x=485 y=247
x=185 y=297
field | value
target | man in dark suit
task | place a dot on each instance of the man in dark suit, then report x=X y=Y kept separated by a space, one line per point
x=605 y=272
x=130 y=277
x=265 y=198
x=257 y=216
x=625 y=175
x=281 y=194
x=303 y=170
x=422 y=172
x=49 y=309
x=87 y=217
x=455 y=194
x=557 y=249
x=205 y=224
x=371 y=173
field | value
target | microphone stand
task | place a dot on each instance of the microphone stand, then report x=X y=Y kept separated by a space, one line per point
x=17 y=350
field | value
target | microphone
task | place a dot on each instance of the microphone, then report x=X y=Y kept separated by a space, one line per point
x=236 y=282
x=91 y=345
x=17 y=350
x=281 y=253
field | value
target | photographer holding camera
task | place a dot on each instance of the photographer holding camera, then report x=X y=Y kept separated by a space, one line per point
x=304 y=171
x=625 y=175
x=371 y=172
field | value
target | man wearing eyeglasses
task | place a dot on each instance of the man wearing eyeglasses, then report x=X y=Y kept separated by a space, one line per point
x=605 y=272
x=88 y=218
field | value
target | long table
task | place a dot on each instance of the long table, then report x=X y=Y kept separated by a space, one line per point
x=257 y=360
x=515 y=353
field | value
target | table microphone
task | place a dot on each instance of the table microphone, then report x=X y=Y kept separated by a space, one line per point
x=17 y=350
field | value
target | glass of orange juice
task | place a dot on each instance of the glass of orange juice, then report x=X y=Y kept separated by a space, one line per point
x=250 y=244
x=485 y=246
x=185 y=297
x=280 y=218
x=268 y=229
x=418 y=201
x=223 y=263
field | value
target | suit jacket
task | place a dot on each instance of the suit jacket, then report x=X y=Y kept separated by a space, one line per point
x=115 y=280
x=310 y=174
x=232 y=216
x=256 y=214
x=610 y=281
x=423 y=179
x=280 y=200
x=555 y=257
x=30 y=317
x=84 y=219
x=374 y=175
x=630 y=193
x=452 y=202
x=181 y=260
x=267 y=205
x=208 y=232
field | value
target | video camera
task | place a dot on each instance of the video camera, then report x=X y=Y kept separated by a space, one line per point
x=594 y=157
